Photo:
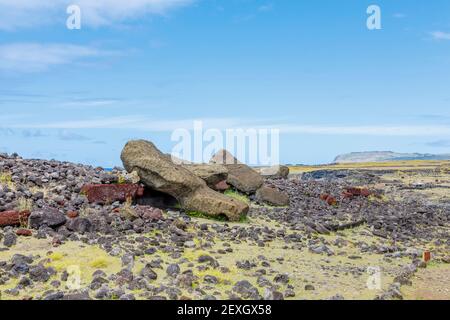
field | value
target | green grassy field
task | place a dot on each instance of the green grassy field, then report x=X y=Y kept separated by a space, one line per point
x=389 y=165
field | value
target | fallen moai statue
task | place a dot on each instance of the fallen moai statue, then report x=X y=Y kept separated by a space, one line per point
x=247 y=180
x=215 y=175
x=240 y=176
x=158 y=172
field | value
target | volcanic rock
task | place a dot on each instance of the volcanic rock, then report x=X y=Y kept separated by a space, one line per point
x=49 y=217
x=212 y=174
x=272 y=196
x=244 y=178
x=109 y=193
x=159 y=173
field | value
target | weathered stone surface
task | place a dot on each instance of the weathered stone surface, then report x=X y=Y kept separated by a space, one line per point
x=221 y=186
x=279 y=171
x=212 y=174
x=13 y=218
x=272 y=196
x=159 y=173
x=9 y=239
x=240 y=176
x=149 y=213
x=177 y=160
x=216 y=204
x=80 y=225
x=224 y=157
x=244 y=178
x=49 y=217
x=108 y=193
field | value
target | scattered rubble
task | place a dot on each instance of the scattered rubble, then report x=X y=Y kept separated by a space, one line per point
x=136 y=237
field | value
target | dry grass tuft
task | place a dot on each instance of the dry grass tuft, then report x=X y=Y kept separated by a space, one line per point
x=24 y=204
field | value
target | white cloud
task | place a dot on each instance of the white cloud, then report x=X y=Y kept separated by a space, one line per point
x=90 y=103
x=26 y=13
x=136 y=122
x=34 y=57
x=440 y=35
x=147 y=123
x=379 y=130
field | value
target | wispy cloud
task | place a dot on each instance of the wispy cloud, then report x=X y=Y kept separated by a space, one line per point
x=35 y=57
x=28 y=13
x=136 y=122
x=375 y=130
x=66 y=135
x=439 y=144
x=440 y=35
x=90 y=103
x=147 y=123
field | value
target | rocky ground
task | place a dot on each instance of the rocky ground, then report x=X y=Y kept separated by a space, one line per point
x=341 y=230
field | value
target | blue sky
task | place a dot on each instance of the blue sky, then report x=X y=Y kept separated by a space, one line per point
x=142 y=68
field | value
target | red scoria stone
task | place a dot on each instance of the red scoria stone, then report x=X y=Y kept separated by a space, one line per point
x=365 y=192
x=13 y=218
x=347 y=194
x=72 y=214
x=221 y=186
x=108 y=193
x=331 y=201
x=358 y=192
x=24 y=232
x=426 y=256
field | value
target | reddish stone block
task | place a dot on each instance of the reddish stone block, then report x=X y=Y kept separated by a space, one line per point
x=108 y=193
x=24 y=232
x=331 y=201
x=426 y=256
x=221 y=186
x=357 y=192
x=347 y=195
x=365 y=192
x=354 y=191
x=72 y=214
x=13 y=218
